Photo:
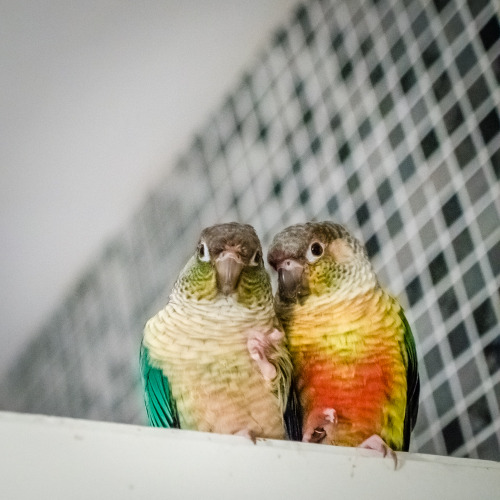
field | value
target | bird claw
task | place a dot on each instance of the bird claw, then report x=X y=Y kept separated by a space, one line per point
x=331 y=415
x=259 y=343
x=249 y=434
x=319 y=424
x=377 y=444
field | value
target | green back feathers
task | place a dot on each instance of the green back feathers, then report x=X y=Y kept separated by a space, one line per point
x=160 y=406
x=412 y=383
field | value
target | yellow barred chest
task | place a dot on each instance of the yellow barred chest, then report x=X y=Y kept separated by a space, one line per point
x=215 y=383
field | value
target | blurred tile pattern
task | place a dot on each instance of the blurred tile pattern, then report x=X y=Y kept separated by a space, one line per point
x=380 y=114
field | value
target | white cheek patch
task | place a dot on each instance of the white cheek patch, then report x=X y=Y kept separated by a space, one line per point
x=341 y=251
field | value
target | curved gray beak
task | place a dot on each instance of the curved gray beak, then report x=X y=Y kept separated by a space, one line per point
x=290 y=279
x=228 y=266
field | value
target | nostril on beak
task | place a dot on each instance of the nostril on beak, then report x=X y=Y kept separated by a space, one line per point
x=289 y=265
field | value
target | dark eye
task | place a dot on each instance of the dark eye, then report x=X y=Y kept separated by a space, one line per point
x=316 y=249
x=256 y=259
x=203 y=254
x=314 y=252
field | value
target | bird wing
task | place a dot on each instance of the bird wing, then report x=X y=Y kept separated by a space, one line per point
x=293 y=414
x=160 y=405
x=412 y=382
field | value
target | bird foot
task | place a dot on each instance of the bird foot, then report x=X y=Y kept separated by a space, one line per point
x=376 y=443
x=319 y=425
x=249 y=434
x=260 y=342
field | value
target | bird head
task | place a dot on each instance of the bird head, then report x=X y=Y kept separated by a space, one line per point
x=230 y=248
x=228 y=260
x=315 y=258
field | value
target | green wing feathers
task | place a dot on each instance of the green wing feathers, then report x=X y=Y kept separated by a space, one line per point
x=412 y=382
x=160 y=405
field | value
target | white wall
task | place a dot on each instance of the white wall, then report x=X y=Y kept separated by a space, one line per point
x=98 y=97
x=55 y=458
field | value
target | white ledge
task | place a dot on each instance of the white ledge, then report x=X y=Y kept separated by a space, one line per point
x=60 y=458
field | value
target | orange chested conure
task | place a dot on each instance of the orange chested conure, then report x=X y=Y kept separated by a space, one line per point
x=355 y=364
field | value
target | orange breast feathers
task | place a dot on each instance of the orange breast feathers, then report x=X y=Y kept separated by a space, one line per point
x=358 y=370
x=357 y=390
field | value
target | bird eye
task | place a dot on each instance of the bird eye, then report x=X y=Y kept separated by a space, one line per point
x=256 y=259
x=314 y=252
x=316 y=249
x=203 y=253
